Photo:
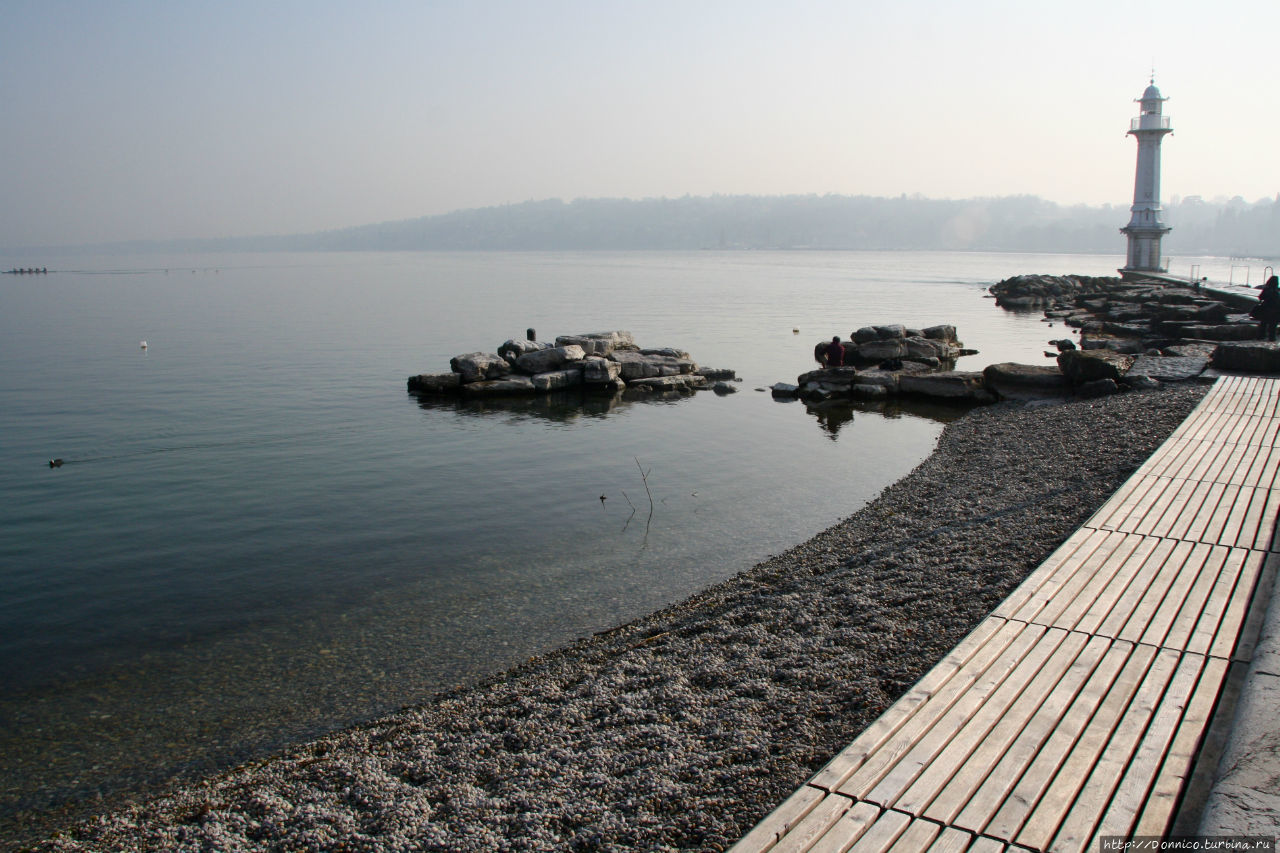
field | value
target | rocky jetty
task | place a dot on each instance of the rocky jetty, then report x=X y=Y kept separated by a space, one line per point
x=597 y=362
x=1173 y=332
x=1133 y=334
x=888 y=361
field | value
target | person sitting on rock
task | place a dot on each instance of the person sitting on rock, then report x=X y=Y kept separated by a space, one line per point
x=1267 y=312
x=835 y=353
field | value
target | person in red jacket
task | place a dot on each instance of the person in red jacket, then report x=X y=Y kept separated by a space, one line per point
x=835 y=353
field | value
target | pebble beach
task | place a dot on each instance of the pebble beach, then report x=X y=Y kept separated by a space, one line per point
x=681 y=730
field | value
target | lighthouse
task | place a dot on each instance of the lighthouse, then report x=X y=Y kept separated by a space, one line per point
x=1145 y=226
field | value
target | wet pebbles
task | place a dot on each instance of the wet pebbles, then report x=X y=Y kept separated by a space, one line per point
x=681 y=730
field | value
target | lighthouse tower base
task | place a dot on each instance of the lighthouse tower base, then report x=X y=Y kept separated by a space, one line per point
x=1144 y=249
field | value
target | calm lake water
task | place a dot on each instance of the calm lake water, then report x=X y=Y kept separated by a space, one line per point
x=257 y=535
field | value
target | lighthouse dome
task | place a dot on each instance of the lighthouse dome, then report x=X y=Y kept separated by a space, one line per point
x=1152 y=93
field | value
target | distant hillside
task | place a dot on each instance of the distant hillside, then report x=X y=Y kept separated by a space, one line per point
x=1016 y=224
x=1008 y=224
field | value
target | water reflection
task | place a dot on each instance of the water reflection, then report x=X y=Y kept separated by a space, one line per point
x=558 y=406
x=832 y=415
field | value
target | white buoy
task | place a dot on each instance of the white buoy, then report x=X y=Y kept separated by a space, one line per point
x=143 y=345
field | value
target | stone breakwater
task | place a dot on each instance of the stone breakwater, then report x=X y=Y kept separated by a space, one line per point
x=597 y=362
x=1166 y=330
x=681 y=730
x=1133 y=335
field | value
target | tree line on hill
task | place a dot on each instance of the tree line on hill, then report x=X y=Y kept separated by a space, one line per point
x=1005 y=224
x=1013 y=224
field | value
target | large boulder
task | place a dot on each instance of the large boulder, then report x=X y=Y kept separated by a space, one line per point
x=598 y=343
x=922 y=347
x=636 y=365
x=600 y=371
x=838 y=376
x=546 y=360
x=943 y=332
x=476 y=366
x=513 y=348
x=435 y=383
x=950 y=385
x=1081 y=366
x=784 y=390
x=886 y=379
x=499 y=387
x=1031 y=291
x=1023 y=381
x=685 y=382
x=1248 y=357
x=557 y=380
x=882 y=350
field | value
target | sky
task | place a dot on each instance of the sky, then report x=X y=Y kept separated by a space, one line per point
x=167 y=119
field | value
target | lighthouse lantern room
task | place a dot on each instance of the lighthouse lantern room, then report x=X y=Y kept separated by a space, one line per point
x=1145 y=226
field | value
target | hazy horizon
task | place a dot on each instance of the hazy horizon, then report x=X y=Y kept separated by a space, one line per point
x=147 y=121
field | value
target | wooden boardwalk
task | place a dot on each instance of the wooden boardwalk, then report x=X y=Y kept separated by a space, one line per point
x=1078 y=708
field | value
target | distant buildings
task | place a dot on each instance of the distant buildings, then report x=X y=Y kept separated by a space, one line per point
x=1145 y=226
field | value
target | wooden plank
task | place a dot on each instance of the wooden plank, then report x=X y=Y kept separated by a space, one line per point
x=951 y=767
x=904 y=764
x=1209 y=425
x=1145 y=587
x=1232 y=624
x=1191 y=425
x=1116 y=589
x=848 y=829
x=872 y=831
x=1033 y=587
x=1040 y=801
x=1175 y=515
x=1175 y=455
x=1211 y=618
x=802 y=836
x=1121 y=741
x=1179 y=762
x=1177 y=579
x=1258 y=528
x=1124 y=810
x=879 y=753
x=951 y=841
x=850 y=759
x=1246 y=465
x=1006 y=800
x=1045 y=698
x=1133 y=494
x=1090 y=666
x=765 y=834
x=1228 y=517
x=1070 y=566
x=1078 y=594
x=919 y=836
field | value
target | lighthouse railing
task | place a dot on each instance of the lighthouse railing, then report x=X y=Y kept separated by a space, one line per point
x=1149 y=122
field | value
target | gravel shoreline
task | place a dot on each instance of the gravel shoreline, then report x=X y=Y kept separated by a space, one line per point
x=679 y=731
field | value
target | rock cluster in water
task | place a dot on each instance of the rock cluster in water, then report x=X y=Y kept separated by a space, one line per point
x=1133 y=334
x=891 y=360
x=1171 y=331
x=597 y=362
